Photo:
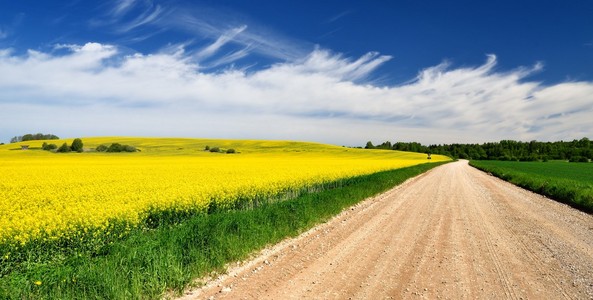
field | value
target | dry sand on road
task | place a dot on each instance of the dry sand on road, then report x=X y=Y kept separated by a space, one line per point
x=453 y=232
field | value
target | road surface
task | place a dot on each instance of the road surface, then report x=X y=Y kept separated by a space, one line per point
x=451 y=233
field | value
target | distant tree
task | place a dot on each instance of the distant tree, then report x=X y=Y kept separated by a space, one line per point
x=27 y=137
x=369 y=145
x=384 y=145
x=48 y=147
x=33 y=137
x=207 y=148
x=504 y=150
x=231 y=151
x=584 y=143
x=77 y=145
x=214 y=149
x=64 y=148
x=115 y=147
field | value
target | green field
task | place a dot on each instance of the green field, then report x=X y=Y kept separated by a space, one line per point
x=571 y=183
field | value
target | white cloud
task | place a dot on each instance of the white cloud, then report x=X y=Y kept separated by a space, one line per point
x=225 y=27
x=230 y=57
x=95 y=90
x=121 y=7
x=134 y=21
x=221 y=41
x=148 y=16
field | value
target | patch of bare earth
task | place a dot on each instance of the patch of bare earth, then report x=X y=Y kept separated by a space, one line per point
x=452 y=233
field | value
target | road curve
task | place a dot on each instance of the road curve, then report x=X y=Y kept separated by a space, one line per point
x=451 y=233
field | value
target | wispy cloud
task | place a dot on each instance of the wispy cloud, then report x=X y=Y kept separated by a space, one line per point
x=315 y=98
x=9 y=29
x=338 y=16
x=123 y=16
x=230 y=57
x=121 y=7
x=323 y=61
x=139 y=20
x=220 y=41
x=148 y=16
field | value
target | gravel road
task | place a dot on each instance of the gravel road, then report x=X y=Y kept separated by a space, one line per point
x=451 y=233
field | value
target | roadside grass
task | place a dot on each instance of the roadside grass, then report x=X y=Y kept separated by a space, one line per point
x=149 y=264
x=570 y=183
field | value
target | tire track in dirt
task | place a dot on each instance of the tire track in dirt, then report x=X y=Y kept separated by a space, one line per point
x=451 y=233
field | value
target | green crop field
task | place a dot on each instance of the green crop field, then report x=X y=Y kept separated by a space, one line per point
x=571 y=183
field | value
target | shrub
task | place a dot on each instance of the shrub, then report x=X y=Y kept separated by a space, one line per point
x=231 y=151
x=115 y=147
x=64 y=148
x=207 y=148
x=77 y=145
x=128 y=148
x=215 y=149
x=48 y=147
x=577 y=158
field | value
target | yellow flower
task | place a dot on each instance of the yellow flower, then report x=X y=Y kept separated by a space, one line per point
x=97 y=196
x=37 y=282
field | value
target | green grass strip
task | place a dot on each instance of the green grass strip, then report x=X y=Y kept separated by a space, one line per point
x=562 y=181
x=150 y=264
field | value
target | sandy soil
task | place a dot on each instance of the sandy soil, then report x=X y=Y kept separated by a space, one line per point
x=452 y=233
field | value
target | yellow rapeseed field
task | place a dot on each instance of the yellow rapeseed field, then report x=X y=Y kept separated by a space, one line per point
x=59 y=196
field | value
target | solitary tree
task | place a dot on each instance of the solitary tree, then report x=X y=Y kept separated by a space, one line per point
x=76 y=145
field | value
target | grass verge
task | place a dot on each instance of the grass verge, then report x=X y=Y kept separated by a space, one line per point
x=150 y=263
x=568 y=183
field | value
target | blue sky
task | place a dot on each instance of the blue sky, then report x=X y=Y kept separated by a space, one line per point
x=340 y=72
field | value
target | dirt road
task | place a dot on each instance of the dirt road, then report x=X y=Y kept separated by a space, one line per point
x=452 y=233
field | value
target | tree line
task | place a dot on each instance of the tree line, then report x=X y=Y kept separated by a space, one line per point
x=33 y=137
x=576 y=150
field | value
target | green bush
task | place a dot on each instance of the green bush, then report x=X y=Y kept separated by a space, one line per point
x=207 y=148
x=578 y=159
x=231 y=151
x=76 y=145
x=128 y=148
x=64 y=148
x=115 y=147
x=48 y=147
x=215 y=149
